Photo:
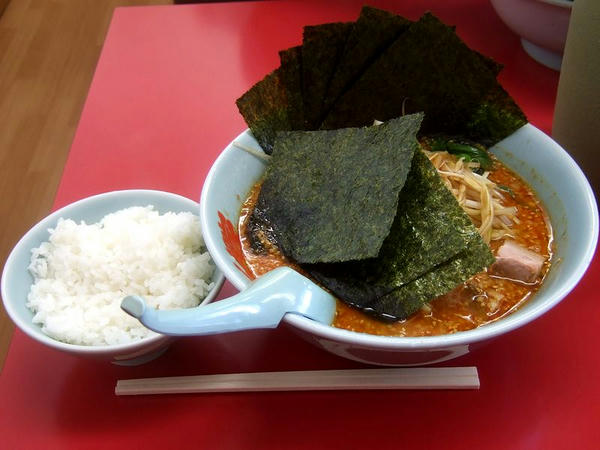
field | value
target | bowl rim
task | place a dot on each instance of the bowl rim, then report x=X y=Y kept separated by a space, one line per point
x=561 y=3
x=28 y=327
x=565 y=4
x=485 y=332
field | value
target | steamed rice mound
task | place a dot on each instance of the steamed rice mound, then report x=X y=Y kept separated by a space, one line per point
x=84 y=271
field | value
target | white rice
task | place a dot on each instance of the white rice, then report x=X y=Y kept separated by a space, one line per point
x=84 y=271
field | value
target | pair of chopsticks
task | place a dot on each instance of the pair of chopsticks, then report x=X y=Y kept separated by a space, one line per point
x=311 y=380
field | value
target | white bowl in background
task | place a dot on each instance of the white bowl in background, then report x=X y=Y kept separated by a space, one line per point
x=555 y=177
x=541 y=24
x=17 y=281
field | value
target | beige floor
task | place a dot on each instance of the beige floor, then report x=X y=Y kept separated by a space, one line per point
x=48 y=53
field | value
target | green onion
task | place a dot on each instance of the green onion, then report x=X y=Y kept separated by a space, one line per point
x=468 y=151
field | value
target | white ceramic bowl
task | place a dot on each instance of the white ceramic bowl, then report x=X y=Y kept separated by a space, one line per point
x=541 y=24
x=560 y=184
x=16 y=280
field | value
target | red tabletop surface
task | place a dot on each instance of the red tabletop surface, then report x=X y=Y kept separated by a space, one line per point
x=160 y=109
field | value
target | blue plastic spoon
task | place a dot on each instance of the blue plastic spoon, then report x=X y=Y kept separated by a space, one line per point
x=262 y=305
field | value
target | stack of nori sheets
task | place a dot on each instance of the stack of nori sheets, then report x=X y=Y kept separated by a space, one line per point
x=360 y=207
x=380 y=67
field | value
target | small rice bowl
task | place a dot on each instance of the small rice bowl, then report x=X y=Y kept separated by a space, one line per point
x=83 y=272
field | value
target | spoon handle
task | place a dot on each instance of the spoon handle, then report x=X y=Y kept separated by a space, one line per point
x=262 y=305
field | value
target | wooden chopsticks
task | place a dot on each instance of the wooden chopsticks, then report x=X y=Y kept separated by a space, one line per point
x=312 y=380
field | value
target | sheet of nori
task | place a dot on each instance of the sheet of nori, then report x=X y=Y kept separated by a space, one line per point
x=432 y=247
x=429 y=227
x=322 y=46
x=265 y=109
x=331 y=196
x=373 y=32
x=291 y=78
x=403 y=302
x=413 y=75
x=496 y=117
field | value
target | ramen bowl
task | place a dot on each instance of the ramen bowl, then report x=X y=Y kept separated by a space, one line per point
x=559 y=183
x=17 y=281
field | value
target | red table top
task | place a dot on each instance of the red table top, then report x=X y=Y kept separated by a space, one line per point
x=160 y=109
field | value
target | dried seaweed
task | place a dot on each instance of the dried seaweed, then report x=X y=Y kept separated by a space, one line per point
x=428 y=68
x=432 y=247
x=331 y=196
x=382 y=66
x=322 y=46
x=402 y=302
x=291 y=78
x=265 y=109
x=374 y=31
